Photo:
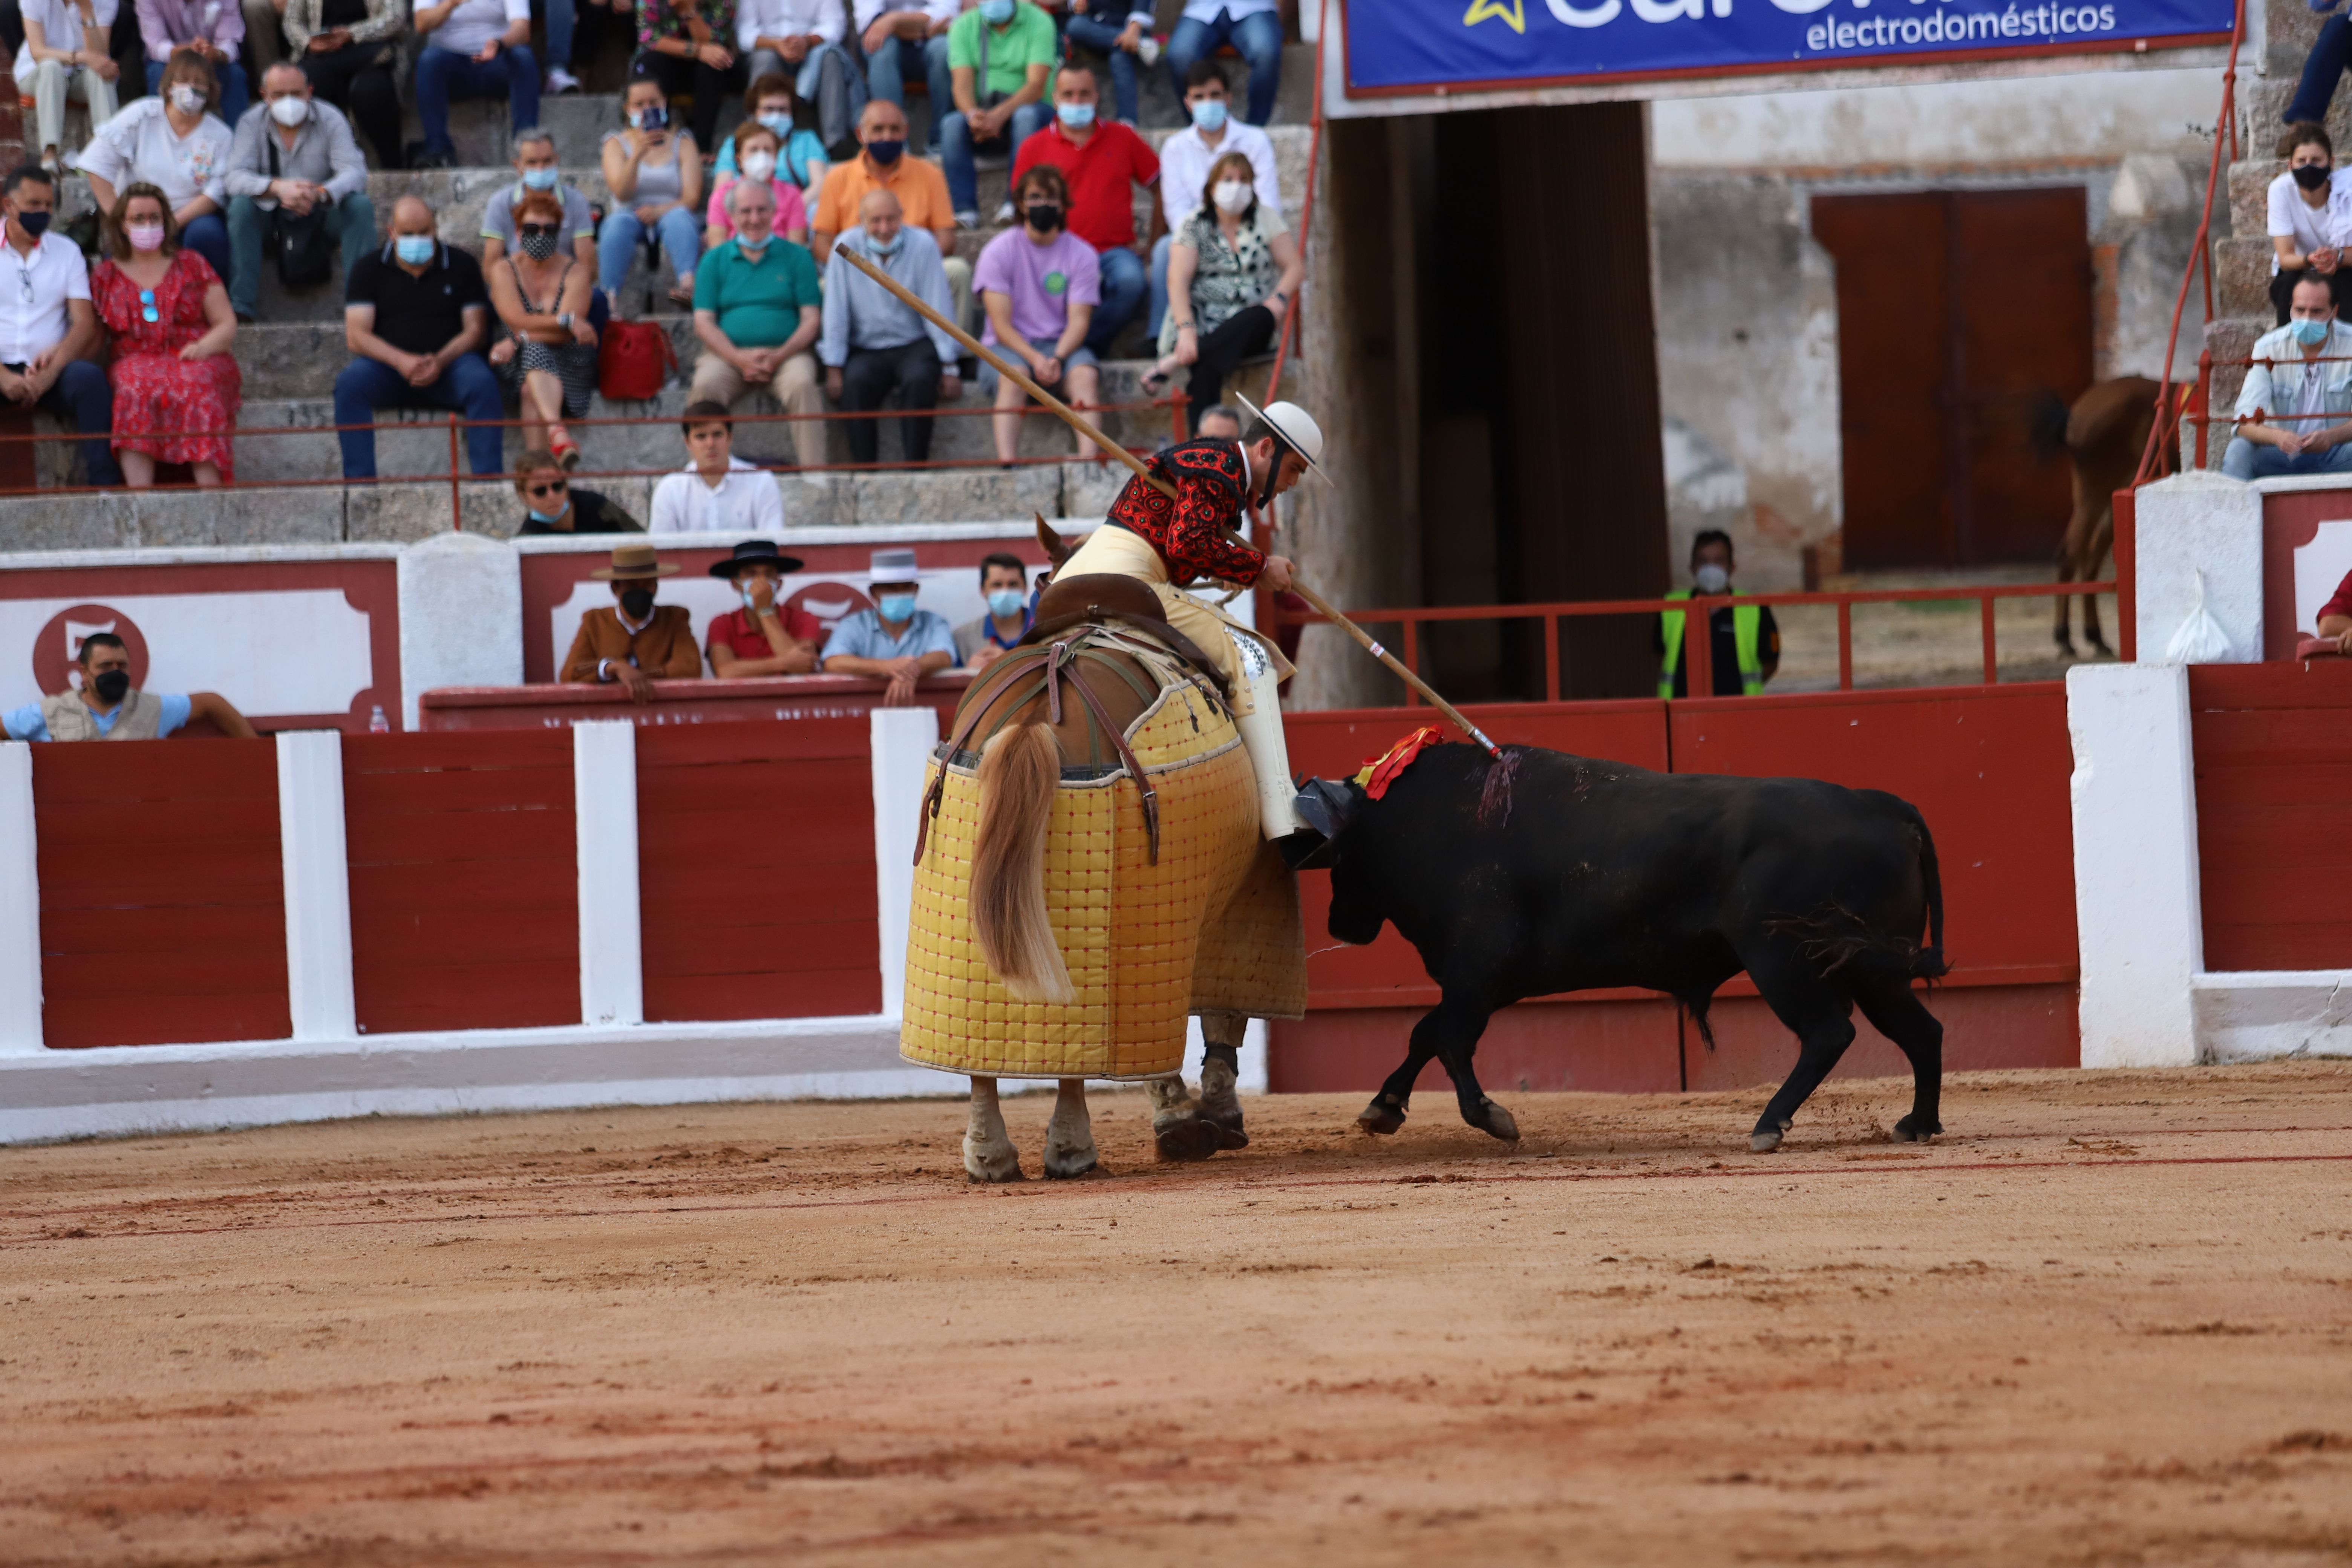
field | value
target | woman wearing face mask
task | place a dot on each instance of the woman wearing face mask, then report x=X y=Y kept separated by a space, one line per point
x=2310 y=219
x=547 y=351
x=766 y=636
x=799 y=155
x=174 y=143
x=686 y=46
x=1232 y=272
x=760 y=149
x=656 y=176
x=553 y=504
x=172 y=326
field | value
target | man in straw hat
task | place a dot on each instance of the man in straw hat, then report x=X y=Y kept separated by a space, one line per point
x=1169 y=543
x=636 y=642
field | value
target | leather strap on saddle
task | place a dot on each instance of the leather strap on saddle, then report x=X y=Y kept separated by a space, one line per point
x=1103 y=598
x=1058 y=658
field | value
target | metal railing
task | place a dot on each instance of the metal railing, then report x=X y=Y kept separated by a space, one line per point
x=1698 y=658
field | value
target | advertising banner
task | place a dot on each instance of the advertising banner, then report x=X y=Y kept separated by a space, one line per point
x=1424 y=46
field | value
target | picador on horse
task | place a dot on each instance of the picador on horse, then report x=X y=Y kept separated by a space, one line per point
x=1096 y=862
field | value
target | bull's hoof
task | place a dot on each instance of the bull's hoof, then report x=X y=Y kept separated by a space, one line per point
x=1499 y=1123
x=1911 y=1130
x=990 y=1165
x=1763 y=1143
x=1381 y=1119
x=1189 y=1139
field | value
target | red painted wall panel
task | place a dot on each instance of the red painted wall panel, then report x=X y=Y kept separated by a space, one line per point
x=163 y=901
x=2272 y=747
x=465 y=880
x=755 y=865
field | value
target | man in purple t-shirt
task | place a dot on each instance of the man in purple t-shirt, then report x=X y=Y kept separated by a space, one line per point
x=1039 y=284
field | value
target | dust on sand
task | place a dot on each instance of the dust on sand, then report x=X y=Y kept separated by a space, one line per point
x=2108 y=1319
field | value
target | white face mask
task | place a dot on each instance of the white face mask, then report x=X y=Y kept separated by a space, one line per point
x=187 y=99
x=1711 y=578
x=1233 y=195
x=760 y=166
x=289 y=111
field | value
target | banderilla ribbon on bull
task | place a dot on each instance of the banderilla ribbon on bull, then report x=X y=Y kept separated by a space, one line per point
x=1494 y=799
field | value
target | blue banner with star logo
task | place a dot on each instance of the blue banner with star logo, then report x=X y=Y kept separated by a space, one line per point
x=1421 y=46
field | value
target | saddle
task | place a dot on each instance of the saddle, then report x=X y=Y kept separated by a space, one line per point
x=1105 y=598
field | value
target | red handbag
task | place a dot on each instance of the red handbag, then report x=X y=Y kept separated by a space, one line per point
x=634 y=360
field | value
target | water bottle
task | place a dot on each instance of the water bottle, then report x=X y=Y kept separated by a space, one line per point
x=377 y=723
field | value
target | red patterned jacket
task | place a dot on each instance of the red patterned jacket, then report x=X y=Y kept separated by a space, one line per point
x=1211 y=481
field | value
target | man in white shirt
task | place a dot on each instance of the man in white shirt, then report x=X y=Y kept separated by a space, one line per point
x=177 y=144
x=803 y=39
x=1186 y=157
x=1253 y=26
x=903 y=36
x=64 y=55
x=473 y=48
x=716 y=492
x=2294 y=414
x=47 y=324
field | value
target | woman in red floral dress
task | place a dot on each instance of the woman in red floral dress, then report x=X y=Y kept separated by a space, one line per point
x=170 y=317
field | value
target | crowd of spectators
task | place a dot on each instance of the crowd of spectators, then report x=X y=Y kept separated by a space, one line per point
x=201 y=186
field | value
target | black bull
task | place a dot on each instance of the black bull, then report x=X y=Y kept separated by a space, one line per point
x=1606 y=875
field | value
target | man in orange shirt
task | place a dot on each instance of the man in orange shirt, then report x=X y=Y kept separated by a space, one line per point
x=883 y=164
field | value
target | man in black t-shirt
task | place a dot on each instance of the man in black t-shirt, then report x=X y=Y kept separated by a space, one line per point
x=416 y=316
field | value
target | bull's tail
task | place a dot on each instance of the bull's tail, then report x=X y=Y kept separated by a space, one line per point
x=1020 y=768
x=1928 y=963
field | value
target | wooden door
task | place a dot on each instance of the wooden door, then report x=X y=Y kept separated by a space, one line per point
x=1958 y=310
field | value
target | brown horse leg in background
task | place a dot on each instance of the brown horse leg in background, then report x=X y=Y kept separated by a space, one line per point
x=2090 y=531
x=2106 y=431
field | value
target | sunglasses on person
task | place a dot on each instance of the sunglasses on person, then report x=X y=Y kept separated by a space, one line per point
x=536 y=230
x=552 y=488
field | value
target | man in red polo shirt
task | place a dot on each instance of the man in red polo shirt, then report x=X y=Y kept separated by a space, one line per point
x=1100 y=159
x=766 y=637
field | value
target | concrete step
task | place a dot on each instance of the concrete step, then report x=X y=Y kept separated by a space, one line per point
x=2250 y=189
x=404 y=510
x=2242 y=275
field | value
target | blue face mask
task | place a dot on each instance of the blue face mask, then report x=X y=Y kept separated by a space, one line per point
x=2310 y=334
x=1005 y=603
x=538 y=516
x=887 y=247
x=1209 y=115
x=1077 y=116
x=542 y=179
x=415 y=250
x=751 y=602
x=781 y=124
x=996 y=13
x=896 y=607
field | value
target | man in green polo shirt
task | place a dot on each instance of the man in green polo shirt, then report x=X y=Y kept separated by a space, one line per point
x=757 y=311
x=998 y=55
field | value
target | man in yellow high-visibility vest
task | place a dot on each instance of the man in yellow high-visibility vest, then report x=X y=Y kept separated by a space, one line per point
x=1745 y=651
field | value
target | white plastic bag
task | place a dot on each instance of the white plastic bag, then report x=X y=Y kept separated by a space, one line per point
x=2201 y=639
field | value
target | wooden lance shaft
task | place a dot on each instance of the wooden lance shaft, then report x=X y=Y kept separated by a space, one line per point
x=1070 y=417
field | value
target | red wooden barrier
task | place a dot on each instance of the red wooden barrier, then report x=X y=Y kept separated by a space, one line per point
x=755 y=868
x=2273 y=745
x=163 y=903
x=464 y=879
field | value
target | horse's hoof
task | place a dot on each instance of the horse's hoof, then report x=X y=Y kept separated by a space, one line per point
x=1191 y=1139
x=1910 y=1129
x=991 y=1170
x=1499 y=1123
x=2102 y=649
x=1763 y=1143
x=1228 y=1124
x=1381 y=1119
x=1066 y=1171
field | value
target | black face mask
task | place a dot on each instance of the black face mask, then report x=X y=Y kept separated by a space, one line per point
x=538 y=247
x=111 y=685
x=638 y=602
x=2310 y=176
x=884 y=152
x=34 y=223
x=1045 y=217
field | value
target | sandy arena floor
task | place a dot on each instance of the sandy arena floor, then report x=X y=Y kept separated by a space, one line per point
x=2107 y=1319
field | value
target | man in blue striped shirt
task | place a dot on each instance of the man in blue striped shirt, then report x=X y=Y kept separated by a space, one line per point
x=872 y=344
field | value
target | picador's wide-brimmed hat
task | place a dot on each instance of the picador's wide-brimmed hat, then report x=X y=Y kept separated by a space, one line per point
x=634 y=561
x=1295 y=428
x=752 y=552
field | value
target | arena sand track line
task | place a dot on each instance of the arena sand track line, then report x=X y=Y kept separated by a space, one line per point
x=1322 y=1350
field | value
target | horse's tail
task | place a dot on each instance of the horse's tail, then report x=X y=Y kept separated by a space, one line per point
x=2045 y=422
x=1020 y=768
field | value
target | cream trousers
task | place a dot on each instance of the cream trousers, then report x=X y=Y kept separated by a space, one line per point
x=794 y=386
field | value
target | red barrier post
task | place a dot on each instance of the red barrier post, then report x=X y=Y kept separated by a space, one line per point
x=1845 y=645
x=1412 y=659
x=2204 y=412
x=2125 y=548
x=456 y=515
x=1991 y=646
x=1698 y=647
x=1552 y=658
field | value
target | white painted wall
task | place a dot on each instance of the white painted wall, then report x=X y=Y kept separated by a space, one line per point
x=20 y=906
x=604 y=816
x=2196 y=533
x=902 y=742
x=460 y=616
x=2139 y=927
x=315 y=858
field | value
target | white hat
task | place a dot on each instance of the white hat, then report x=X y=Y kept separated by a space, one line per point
x=893 y=566
x=1296 y=426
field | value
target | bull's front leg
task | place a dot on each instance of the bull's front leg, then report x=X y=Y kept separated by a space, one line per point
x=1220 y=1103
